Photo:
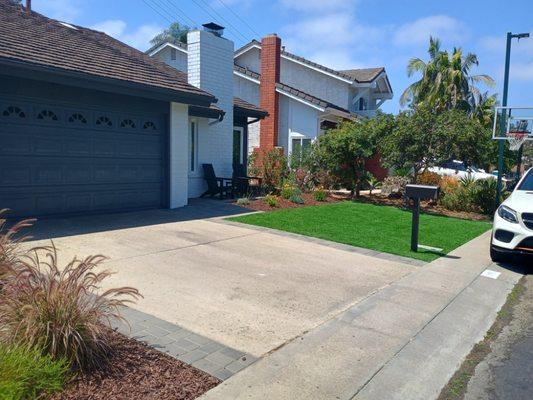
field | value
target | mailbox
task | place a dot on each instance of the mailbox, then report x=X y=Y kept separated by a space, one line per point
x=417 y=193
x=422 y=192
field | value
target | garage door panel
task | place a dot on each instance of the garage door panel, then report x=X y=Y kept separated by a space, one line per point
x=60 y=160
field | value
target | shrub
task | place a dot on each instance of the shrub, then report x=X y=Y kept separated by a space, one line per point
x=394 y=185
x=429 y=178
x=458 y=199
x=484 y=195
x=287 y=191
x=243 y=201
x=449 y=184
x=55 y=309
x=271 y=200
x=320 y=194
x=296 y=196
x=27 y=374
x=273 y=169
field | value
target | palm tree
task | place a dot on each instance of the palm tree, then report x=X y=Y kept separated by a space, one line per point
x=446 y=82
x=174 y=33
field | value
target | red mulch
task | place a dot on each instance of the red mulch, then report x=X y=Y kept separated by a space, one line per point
x=136 y=371
x=376 y=198
x=309 y=200
x=428 y=207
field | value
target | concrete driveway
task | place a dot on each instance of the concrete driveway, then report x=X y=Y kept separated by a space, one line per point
x=252 y=290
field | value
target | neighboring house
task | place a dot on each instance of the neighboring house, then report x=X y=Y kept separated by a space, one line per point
x=302 y=98
x=89 y=124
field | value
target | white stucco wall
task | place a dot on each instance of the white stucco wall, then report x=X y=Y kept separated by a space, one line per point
x=165 y=55
x=179 y=116
x=315 y=83
x=210 y=67
x=250 y=60
x=246 y=89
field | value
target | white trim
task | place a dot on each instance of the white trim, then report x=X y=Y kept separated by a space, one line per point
x=318 y=69
x=246 y=77
x=162 y=46
x=300 y=100
x=247 y=48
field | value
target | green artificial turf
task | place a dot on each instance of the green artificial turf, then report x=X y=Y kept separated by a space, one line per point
x=380 y=228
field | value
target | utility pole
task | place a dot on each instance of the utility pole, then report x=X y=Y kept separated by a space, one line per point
x=501 y=144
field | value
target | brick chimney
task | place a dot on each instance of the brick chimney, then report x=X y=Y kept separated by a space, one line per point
x=28 y=6
x=269 y=98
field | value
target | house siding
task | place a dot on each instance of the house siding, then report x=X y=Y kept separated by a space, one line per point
x=165 y=55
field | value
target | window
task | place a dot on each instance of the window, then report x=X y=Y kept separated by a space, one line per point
x=173 y=54
x=237 y=145
x=77 y=118
x=104 y=121
x=193 y=146
x=127 y=123
x=13 y=111
x=47 y=115
x=363 y=104
x=149 y=125
x=300 y=147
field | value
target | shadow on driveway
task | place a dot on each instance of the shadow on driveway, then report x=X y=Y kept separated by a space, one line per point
x=50 y=228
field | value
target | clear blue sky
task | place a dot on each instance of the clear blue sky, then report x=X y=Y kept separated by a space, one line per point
x=337 y=33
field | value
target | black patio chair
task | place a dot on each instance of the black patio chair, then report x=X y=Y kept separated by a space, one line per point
x=245 y=184
x=217 y=186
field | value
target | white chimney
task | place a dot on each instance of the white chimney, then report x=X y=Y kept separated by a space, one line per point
x=210 y=67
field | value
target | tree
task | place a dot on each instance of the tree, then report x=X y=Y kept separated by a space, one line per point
x=423 y=138
x=446 y=82
x=174 y=33
x=343 y=151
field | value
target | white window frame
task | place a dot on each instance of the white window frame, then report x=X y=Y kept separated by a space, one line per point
x=241 y=144
x=301 y=138
x=192 y=138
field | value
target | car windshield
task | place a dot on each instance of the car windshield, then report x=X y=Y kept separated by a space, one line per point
x=527 y=183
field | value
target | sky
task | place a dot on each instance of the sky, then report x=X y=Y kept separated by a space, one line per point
x=340 y=34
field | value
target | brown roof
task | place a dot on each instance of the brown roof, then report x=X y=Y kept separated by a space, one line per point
x=357 y=75
x=309 y=98
x=246 y=71
x=34 y=39
x=244 y=108
x=364 y=74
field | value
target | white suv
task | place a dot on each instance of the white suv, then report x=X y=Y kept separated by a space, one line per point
x=512 y=231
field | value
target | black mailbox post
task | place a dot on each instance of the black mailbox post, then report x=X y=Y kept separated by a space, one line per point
x=416 y=193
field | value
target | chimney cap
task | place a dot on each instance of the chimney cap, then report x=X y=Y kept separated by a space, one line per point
x=215 y=29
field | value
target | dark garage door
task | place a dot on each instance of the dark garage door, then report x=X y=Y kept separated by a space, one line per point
x=59 y=160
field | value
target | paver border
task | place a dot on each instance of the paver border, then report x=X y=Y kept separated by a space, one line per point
x=199 y=351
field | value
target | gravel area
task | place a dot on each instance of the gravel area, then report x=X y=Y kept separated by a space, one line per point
x=136 y=371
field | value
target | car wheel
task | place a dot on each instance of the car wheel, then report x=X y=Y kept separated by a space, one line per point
x=497 y=256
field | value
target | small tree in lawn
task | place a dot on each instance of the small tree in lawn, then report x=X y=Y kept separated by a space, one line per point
x=344 y=151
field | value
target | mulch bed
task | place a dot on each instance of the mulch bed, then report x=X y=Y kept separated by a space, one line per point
x=376 y=198
x=309 y=200
x=136 y=371
x=426 y=206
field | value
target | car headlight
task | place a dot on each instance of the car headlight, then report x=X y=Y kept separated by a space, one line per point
x=508 y=214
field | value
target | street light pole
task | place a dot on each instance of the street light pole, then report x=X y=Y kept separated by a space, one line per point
x=510 y=37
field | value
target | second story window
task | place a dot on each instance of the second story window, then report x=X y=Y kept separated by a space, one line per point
x=363 y=104
x=173 y=54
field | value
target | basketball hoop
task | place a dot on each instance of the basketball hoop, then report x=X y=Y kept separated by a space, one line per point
x=516 y=139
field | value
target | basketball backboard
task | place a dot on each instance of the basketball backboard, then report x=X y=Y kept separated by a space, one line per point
x=512 y=121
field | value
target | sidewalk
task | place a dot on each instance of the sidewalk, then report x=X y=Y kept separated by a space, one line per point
x=403 y=342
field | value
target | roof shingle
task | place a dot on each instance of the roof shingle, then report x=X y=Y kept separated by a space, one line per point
x=35 y=39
